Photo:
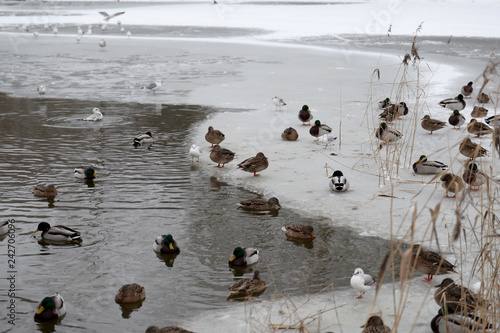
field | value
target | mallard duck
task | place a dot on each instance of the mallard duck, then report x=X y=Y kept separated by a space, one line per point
x=479 y=112
x=375 y=324
x=361 y=282
x=387 y=134
x=260 y=204
x=299 y=231
x=483 y=98
x=130 y=293
x=84 y=173
x=431 y=124
x=305 y=115
x=425 y=167
x=493 y=120
x=44 y=191
x=457 y=297
x=467 y=90
x=290 y=134
x=456 y=119
x=477 y=128
x=195 y=152
x=394 y=111
x=278 y=102
x=338 y=182
x=153 y=86
x=214 y=136
x=254 y=164
x=471 y=149
x=452 y=183
x=319 y=129
x=145 y=139
x=244 y=256
x=384 y=104
x=50 y=308
x=166 y=329
x=4 y=227
x=165 y=244
x=248 y=287
x=446 y=321
x=455 y=103
x=58 y=233
x=429 y=262
x=496 y=139
x=95 y=116
x=221 y=155
x=474 y=177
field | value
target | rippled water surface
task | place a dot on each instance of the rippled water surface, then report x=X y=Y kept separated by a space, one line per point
x=139 y=195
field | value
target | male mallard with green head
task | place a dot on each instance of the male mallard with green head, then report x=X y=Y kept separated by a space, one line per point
x=244 y=256
x=455 y=103
x=45 y=191
x=425 y=167
x=260 y=204
x=456 y=119
x=248 y=287
x=84 y=173
x=58 y=233
x=318 y=129
x=384 y=104
x=447 y=321
x=474 y=177
x=50 y=308
x=431 y=124
x=130 y=293
x=305 y=116
x=221 y=155
x=338 y=182
x=387 y=134
x=255 y=164
x=145 y=139
x=165 y=244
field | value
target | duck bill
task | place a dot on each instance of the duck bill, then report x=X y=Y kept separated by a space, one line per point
x=232 y=257
x=35 y=231
x=40 y=310
x=170 y=246
x=95 y=175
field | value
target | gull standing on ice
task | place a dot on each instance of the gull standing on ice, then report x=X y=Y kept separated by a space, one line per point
x=108 y=17
x=102 y=44
x=129 y=34
x=78 y=38
x=122 y=29
x=55 y=31
x=153 y=86
x=278 y=102
x=35 y=34
x=89 y=30
x=361 y=282
x=95 y=116
x=41 y=90
x=80 y=31
x=195 y=151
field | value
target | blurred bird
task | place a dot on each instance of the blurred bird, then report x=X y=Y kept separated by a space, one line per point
x=145 y=139
x=375 y=324
x=41 y=90
x=102 y=44
x=467 y=90
x=471 y=149
x=483 y=98
x=452 y=183
x=278 y=102
x=153 y=86
x=479 y=112
x=195 y=151
x=108 y=17
x=95 y=116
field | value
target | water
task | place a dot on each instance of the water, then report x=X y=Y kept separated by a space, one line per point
x=138 y=195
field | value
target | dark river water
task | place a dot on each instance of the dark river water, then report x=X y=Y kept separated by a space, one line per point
x=139 y=195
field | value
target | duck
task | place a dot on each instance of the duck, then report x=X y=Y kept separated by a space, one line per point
x=130 y=293
x=95 y=116
x=375 y=324
x=429 y=262
x=278 y=102
x=471 y=149
x=319 y=129
x=455 y=103
x=260 y=204
x=447 y=321
x=221 y=155
x=493 y=120
x=195 y=152
x=477 y=128
x=44 y=191
x=452 y=183
x=384 y=104
x=145 y=139
x=42 y=90
x=255 y=164
x=456 y=119
x=425 y=167
x=165 y=244
x=305 y=115
x=431 y=124
x=50 y=308
x=214 y=136
x=467 y=90
x=58 y=233
x=474 y=177
x=290 y=134
x=166 y=329
x=361 y=282
x=496 y=140
x=248 y=287
x=84 y=173
x=387 y=134
x=299 y=231
x=338 y=182
x=483 y=98
x=4 y=227
x=394 y=111
x=459 y=298
x=244 y=256
x=479 y=112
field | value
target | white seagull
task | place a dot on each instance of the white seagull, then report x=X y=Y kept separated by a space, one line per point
x=102 y=44
x=129 y=34
x=35 y=34
x=153 y=86
x=41 y=90
x=361 y=282
x=195 y=151
x=108 y=17
x=78 y=38
x=95 y=116
x=55 y=31
x=278 y=102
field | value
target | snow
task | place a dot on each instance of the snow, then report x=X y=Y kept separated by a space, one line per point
x=338 y=85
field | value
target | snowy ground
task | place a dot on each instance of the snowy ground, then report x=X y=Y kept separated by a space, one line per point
x=245 y=71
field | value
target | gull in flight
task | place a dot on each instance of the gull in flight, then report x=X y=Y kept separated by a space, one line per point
x=108 y=17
